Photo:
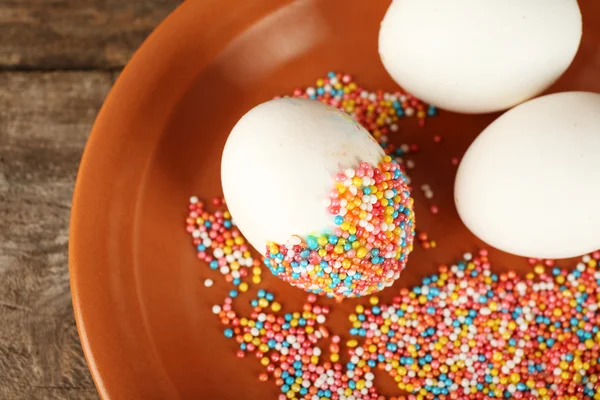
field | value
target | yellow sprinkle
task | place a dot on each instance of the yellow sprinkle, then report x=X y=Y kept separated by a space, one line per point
x=256 y=279
x=361 y=252
x=557 y=312
x=334 y=357
x=373 y=300
x=322 y=240
x=538 y=269
x=275 y=306
x=529 y=276
x=351 y=343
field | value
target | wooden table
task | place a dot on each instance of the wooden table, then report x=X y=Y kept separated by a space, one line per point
x=58 y=60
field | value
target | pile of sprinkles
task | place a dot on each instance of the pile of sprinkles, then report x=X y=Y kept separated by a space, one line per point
x=464 y=332
x=467 y=332
x=373 y=213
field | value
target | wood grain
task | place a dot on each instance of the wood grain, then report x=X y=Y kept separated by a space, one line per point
x=44 y=122
x=75 y=34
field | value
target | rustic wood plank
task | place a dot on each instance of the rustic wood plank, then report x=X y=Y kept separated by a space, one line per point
x=67 y=34
x=44 y=122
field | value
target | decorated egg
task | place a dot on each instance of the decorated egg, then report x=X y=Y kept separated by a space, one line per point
x=316 y=195
x=530 y=183
x=474 y=56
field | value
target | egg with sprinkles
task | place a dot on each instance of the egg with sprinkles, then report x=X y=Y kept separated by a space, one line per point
x=316 y=195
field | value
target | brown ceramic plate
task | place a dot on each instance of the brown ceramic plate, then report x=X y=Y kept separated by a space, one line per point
x=142 y=311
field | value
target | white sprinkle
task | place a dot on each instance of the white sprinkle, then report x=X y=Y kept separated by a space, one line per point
x=193 y=199
x=350 y=173
x=216 y=309
x=294 y=240
x=208 y=282
x=218 y=253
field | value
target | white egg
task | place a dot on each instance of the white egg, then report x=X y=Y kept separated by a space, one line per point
x=475 y=56
x=278 y=167
x=530 y=183
x=316 y=195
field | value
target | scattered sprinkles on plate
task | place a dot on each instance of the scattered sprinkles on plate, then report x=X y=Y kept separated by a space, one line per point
x=373 y=216
x=464 y=332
